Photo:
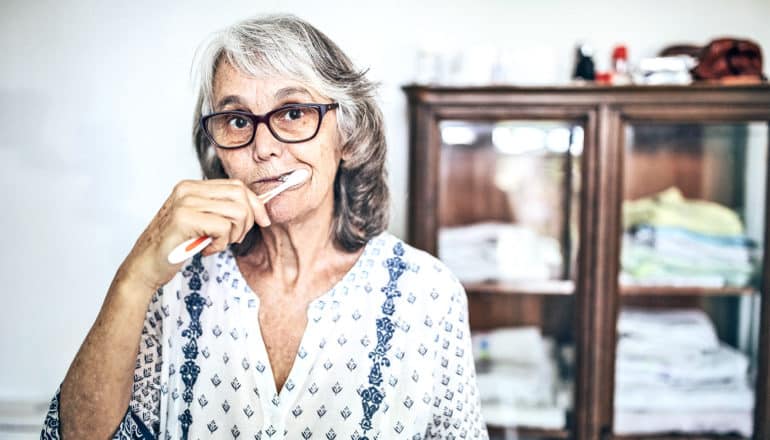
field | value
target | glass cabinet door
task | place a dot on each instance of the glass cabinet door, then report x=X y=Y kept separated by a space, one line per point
x=508 y=210
x=690 y=273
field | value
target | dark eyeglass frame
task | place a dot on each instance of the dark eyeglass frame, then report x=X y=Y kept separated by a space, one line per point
x=257 y=119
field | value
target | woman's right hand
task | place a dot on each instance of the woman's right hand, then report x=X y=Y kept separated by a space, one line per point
x=223 y=209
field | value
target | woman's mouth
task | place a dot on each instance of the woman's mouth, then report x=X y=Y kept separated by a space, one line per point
x=268 y=183
x=277 y=178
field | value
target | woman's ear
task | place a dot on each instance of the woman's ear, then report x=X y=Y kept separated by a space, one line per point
x=344 y=162
x=346 y=152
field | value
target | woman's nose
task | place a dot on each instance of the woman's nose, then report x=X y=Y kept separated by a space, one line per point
x=265 y=144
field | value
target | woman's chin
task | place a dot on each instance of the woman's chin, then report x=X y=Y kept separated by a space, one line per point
x=296 y=207
x=281 y=212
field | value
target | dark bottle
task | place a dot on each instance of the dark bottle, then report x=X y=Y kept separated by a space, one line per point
x=584 y=66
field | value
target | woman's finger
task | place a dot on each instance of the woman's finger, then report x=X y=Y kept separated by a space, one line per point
x=230 y=189
x=198 y=224
x=238 y=212
x=258 y=208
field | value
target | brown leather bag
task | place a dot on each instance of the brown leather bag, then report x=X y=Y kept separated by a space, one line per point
x=729 y=57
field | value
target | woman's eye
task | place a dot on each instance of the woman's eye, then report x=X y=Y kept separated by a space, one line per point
x=239 y=123
x=294 y=114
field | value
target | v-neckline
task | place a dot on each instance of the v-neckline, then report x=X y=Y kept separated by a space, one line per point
x=301 y=365
x=318 y=302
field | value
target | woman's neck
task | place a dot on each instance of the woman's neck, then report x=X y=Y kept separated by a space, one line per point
x=297 y=258
x=288 y=254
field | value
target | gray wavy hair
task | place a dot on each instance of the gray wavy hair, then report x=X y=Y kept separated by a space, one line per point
x=284 y=45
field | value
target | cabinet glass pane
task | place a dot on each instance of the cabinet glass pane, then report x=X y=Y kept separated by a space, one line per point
x=512 y=188
x=691 y=258
x=508 y=214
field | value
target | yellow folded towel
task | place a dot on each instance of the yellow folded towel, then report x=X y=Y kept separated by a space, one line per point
x=670 y=208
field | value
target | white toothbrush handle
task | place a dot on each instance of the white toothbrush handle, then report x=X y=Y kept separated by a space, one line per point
x=188 y=249
x=266 y=197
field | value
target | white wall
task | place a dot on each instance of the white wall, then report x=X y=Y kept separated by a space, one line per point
x=96 y=105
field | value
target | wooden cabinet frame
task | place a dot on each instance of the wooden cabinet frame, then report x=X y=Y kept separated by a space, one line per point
x=603 y=112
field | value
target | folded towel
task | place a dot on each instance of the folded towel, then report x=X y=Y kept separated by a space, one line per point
x=700 y=281
x=643 y=262
x=651 y=234
x=510 y=416
x=729 y=397
x=671 y=368
x=684 y=421
x=670 y=208
x=636 y=365
x=499 y=252
x=665 y=330
x=529 y=388
x=523 y=346
x=515 y=345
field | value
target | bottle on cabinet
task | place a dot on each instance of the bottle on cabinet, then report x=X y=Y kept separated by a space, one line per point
x=620 y=71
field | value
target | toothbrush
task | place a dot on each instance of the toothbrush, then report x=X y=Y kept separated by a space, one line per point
x=194 y=245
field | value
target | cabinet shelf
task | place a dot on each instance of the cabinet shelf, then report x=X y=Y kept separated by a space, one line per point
x=545 y=287
x=530 y=432
x=628 y=290
x=562 y=287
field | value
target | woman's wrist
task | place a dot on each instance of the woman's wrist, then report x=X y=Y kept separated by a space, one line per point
x=129 y=280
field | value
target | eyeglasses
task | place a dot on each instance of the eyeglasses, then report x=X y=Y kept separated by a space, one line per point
x=290 y=123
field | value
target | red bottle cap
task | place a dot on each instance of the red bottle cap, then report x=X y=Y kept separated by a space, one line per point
x=620 y=53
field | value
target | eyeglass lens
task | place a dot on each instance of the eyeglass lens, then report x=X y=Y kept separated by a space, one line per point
x=290 y=124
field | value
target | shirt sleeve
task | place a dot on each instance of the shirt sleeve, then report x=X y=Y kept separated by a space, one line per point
x=456 y=402
x=142 y=418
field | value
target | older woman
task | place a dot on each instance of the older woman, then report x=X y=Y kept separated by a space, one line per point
x=302 y=318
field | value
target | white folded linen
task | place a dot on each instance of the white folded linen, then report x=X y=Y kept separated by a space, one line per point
x=520 y=366
x=626 y=279
x=665 y=331
x=725 y=364
x=683 y=421
x=545 y=417
x=528 y=387
x=517 y=345
x=733 y=396
x=499 y=252
x=672 y=374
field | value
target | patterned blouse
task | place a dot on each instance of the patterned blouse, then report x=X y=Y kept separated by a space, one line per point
x=386 y=354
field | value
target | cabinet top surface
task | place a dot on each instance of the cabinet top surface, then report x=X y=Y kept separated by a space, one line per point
x=588 y=88
x=719 y=98
x=753 y=93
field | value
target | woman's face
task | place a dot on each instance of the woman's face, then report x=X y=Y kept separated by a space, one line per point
x=266 y=158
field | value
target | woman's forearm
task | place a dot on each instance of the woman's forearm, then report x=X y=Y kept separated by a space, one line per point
x=97 y=389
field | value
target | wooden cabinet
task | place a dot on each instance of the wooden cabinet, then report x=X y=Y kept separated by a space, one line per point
x=562 y=179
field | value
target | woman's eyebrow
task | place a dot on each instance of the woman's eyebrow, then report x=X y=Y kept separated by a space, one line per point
x=280 y=94
x=230 y=99
x=288 y=91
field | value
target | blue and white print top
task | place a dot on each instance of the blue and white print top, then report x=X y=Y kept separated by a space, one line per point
x=386 y=354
